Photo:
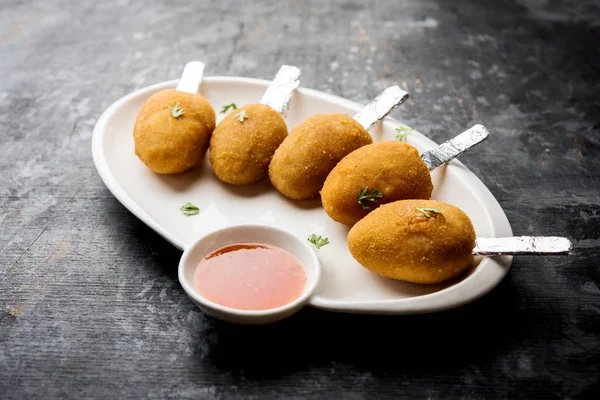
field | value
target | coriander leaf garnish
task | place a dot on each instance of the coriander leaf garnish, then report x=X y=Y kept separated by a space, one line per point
x=176 y=110
x=427 y=210
x=318 y=241
x=403 y=133
x=227 y=107
x=189 y=209
x=365 y=196
x=241 y=116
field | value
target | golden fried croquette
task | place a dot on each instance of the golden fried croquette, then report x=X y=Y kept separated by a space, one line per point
x=243 y=143
x=169 y=144
x=390 y=167
x=305 y=158
x=400 y=242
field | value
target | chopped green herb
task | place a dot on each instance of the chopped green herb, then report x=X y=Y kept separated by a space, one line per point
x=403 y=133
x=176 y=110
x=189 y=209
x=318 y=241
x=428 y=210
x=241 y=116
x=227 y=107
x=365 y=196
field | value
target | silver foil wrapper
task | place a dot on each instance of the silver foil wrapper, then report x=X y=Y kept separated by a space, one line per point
x=279 y=93
x=381 y=106
x=455 y=147
x=522 y=245
x=191 y=78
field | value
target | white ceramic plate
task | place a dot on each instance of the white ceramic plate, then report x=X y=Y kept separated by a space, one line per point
x=345 y=285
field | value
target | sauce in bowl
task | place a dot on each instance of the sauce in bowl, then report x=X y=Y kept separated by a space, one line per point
x=250 y=276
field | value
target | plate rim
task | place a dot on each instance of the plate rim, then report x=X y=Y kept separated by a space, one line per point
x=441 y=300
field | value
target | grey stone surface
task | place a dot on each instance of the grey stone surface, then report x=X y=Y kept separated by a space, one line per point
x=90 y=306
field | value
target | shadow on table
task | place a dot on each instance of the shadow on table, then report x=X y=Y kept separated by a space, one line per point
x=376 y=344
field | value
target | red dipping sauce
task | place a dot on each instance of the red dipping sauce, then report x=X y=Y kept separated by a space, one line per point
x=250 y=276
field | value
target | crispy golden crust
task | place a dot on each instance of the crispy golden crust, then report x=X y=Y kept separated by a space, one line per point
x=240 y=152
x=305 y=158
x=391 y=167
x=399 y=242
x=169 y=145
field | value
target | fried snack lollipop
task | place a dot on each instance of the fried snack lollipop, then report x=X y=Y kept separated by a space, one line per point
x=313 y=147
x=388 y=171
x=243 y=143
x=172 y=130
x=428 y=241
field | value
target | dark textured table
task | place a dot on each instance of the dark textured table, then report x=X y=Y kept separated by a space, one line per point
x=90 y=302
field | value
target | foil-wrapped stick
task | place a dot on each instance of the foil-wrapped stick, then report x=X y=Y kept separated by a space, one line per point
x=279 y=93
x=378 y=108
x=191 y=78
x=454 y=147
x=542 y=245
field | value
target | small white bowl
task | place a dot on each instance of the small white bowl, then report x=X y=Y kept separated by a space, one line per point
x=256 y=234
